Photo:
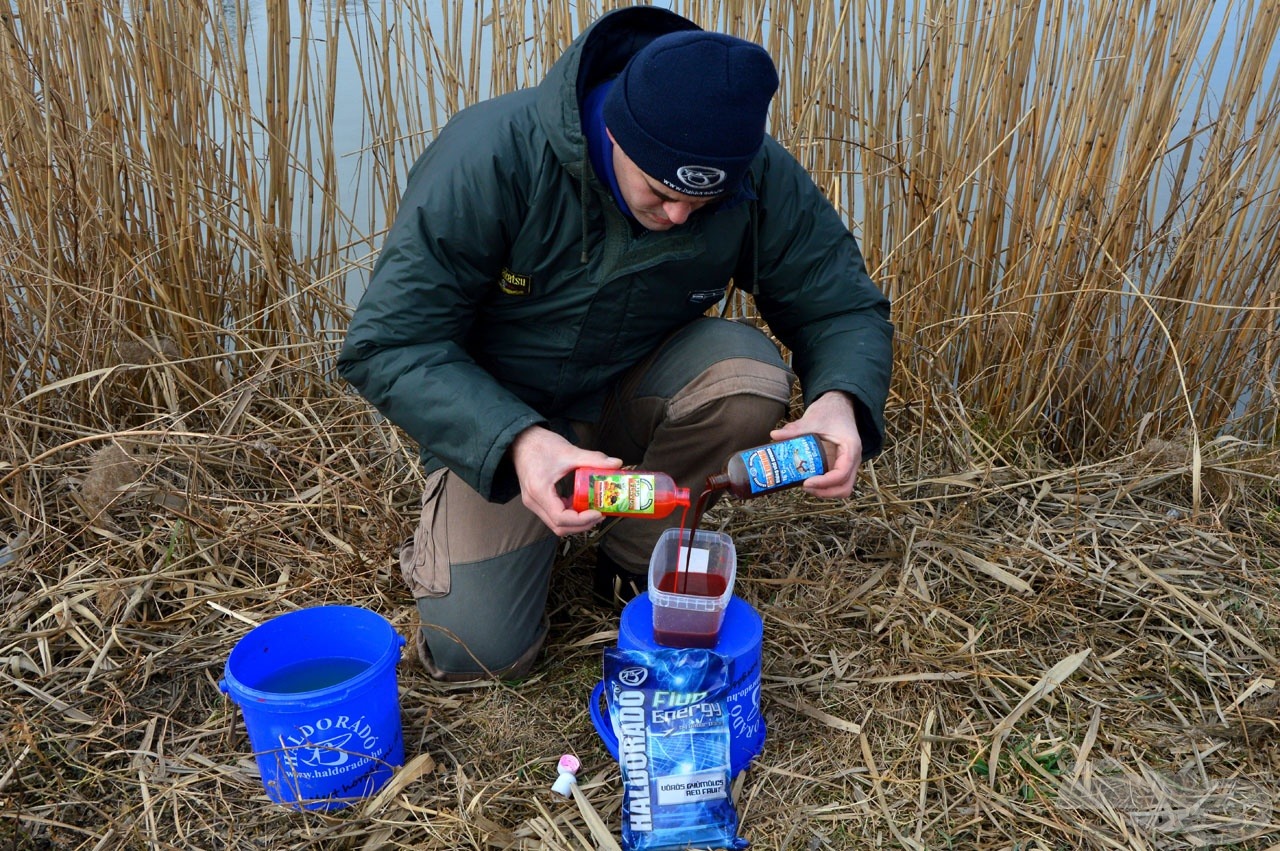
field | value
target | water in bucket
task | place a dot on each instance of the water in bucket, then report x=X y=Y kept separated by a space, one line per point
x=312 y=674
x=317 y=688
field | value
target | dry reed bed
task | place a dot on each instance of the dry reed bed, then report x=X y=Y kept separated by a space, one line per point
x=1074 y=627
x=1075 y=219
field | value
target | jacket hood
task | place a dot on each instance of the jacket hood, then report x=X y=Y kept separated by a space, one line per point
x=599 y=53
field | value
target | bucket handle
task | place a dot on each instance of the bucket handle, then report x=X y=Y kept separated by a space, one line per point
x=599 y=718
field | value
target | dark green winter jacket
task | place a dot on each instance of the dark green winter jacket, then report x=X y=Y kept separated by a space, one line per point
x=511 y=291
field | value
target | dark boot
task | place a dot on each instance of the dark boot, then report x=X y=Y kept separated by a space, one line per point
x=613 y=585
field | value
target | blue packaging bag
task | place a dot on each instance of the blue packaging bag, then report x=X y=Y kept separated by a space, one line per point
x=668 y=709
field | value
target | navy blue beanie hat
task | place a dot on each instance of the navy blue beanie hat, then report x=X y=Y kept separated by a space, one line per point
x=689 y=109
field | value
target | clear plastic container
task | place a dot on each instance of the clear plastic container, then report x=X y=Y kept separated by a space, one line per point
x=690 y=587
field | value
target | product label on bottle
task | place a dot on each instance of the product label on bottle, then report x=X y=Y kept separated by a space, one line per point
x=779 y=465
x=622 y=493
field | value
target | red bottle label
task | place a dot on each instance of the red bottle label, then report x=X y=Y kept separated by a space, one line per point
x=621 y=493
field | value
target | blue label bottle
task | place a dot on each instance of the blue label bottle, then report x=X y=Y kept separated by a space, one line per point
x=773 y=467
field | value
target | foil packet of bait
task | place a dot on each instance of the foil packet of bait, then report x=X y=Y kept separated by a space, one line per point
x=668 y=710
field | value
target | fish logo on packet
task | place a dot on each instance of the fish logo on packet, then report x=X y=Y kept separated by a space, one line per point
x=668 y=708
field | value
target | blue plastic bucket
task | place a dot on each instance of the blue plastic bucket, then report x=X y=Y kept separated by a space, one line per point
x=317 y=688
x=741 y=638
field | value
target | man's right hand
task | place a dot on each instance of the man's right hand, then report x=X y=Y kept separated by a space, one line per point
x=542 y=458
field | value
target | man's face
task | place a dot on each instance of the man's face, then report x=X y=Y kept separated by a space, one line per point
x=654 y=205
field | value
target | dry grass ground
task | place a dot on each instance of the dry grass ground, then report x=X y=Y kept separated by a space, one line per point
x=1049 y=618
x=966 y=654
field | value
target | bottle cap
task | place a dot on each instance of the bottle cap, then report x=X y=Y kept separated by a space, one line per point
x=568 y=768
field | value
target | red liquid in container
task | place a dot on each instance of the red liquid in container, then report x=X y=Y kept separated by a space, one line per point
x=695 y=585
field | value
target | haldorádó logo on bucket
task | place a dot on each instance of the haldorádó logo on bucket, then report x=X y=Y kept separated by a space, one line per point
x=668 y=708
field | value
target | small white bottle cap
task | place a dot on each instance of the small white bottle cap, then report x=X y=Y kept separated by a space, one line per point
x=568 y=768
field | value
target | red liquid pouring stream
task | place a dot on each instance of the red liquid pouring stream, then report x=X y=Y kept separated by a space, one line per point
x=681 y=575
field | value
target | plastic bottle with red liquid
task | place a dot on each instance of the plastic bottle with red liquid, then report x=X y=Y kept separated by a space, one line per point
x=628 y=493
x=773 y=467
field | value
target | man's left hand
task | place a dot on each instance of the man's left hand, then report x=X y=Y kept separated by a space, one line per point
x=831 y=418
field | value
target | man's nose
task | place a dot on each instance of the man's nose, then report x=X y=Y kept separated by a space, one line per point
x=677 y=211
